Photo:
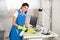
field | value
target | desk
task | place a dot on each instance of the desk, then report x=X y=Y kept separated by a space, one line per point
x=39 y=36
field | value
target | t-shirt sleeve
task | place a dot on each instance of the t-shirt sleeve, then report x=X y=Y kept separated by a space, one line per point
x=16 y=14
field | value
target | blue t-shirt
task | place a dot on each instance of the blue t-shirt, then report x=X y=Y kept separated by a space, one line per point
x=21 y=18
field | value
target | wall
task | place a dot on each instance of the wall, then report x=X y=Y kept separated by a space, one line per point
x=15 y=4
x=56 y=17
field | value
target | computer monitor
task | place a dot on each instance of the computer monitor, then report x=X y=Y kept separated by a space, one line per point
x=33 y=21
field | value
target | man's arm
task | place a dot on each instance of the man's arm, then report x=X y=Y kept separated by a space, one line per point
x=26 y=23
x=14 y=21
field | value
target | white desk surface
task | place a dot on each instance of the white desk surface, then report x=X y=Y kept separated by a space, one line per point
x=39 y=35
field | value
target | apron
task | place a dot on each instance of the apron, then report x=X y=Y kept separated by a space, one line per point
x=14 y=33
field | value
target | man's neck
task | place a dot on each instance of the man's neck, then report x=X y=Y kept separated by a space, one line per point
x=22 y=12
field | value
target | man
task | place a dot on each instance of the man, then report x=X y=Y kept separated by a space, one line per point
x=18 y=22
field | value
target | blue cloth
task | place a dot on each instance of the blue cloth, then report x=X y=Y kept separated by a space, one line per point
x=14 y=34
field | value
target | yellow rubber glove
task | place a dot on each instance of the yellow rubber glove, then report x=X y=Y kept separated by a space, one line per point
x=28 y=31
x=31 y=31
x=22 y=28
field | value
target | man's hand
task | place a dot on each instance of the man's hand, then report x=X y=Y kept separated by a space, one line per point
x=31 y=31
x=27 y=30
x=20 y=27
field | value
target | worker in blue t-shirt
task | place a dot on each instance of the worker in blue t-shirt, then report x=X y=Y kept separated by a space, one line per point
x=18 y=22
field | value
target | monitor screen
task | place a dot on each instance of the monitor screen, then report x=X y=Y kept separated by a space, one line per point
x=33 y=21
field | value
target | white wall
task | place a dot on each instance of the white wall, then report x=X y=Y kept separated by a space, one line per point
x=14 y=4
x=46 y=13
x=6 y=5
x=56 y=17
